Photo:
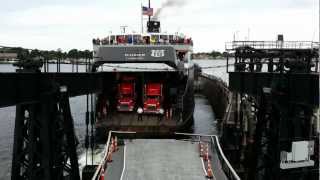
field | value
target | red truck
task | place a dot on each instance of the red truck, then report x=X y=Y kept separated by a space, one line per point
x=126 y=96
x=152 y=99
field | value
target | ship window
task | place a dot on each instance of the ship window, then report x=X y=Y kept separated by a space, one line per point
x=120 y=39
x=129 y=39
x=112 y=39
x=170 y=38
x=137 y=39
x=163 y=39
x=182 y=56
x=154 y=39
x=146 y=39
x=105 y=40
x=126 y=38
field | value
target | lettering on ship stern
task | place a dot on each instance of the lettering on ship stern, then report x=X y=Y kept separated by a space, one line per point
x=157 y=53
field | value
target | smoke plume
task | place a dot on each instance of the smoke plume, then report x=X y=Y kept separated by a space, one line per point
x=169 y=4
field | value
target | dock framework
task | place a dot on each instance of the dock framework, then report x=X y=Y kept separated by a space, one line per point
x=275 y=87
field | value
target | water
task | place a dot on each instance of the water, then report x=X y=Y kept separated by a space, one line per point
x=203 y=117
x=219 y=68
x=203 y=123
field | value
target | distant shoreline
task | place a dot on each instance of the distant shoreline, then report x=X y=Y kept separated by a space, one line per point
x=210 y=59
x=62 y=62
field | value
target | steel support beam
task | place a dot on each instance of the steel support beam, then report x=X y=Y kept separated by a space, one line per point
x=44 y=140
x=26 y=87
x=304 y=88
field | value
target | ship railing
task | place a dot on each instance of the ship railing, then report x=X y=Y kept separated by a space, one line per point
x=272 y=45
x=101 y=42
x=103 y=162
x=230 y=173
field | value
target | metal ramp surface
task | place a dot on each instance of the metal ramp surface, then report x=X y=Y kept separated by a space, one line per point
x=162 y=159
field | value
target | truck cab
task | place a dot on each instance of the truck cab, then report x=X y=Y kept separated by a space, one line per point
x=126 y=96
x=153 y=97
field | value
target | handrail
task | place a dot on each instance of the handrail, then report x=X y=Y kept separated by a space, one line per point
x=103 y=160
x=230 y=172
x=228 y=169
x=190 y=134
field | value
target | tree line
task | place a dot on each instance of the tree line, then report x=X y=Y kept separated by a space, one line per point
x=210 y=55
x=29 y=54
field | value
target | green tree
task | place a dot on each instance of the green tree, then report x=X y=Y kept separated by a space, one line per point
x=73 y=54
x=215 y=54
x=88 y=54
x=35 y=53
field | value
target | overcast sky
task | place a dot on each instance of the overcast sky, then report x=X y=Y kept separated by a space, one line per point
x=67 y=24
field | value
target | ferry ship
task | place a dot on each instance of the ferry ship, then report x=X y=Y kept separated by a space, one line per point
x=148 y=84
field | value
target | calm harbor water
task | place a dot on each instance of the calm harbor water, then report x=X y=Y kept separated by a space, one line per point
x=203 y=122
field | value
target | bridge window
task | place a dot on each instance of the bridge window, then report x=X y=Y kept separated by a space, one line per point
x=112 y=39
x=120 y=39
x=137 y=39
x=182 y=56
x=146 y=39
x=154 y=39
x=164 y=39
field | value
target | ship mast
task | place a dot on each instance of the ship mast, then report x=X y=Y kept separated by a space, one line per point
x=149 y=8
